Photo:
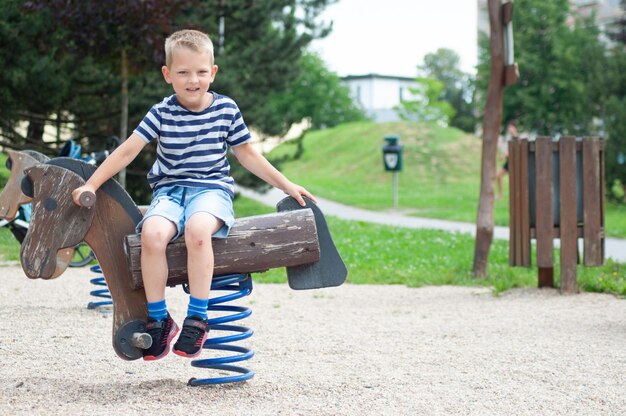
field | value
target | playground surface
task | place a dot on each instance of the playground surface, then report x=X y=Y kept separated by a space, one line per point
x=352 y=350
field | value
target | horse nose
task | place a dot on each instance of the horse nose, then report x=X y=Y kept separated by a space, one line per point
x=36 y=260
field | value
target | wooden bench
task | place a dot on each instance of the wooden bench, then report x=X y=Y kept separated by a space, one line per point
x=556 y=192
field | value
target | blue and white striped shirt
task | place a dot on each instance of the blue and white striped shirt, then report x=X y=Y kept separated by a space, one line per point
x=191 y=147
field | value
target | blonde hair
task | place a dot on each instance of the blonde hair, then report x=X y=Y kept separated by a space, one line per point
x=191 y=39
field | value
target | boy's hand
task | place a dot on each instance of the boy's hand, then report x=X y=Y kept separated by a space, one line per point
x=297 y=192
x=76 y=193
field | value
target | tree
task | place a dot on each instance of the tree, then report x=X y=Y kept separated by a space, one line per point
x=561 y=70
x=614 y=111
x=263 y=42
x=66 y=59
x=44 y=82
x=29 y=86
x=614 y=116
x=129 y=34
x=444 y=65
x=316 y=95
x=491 y=122
x=427 y=104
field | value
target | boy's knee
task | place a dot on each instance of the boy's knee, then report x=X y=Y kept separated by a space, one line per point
x=196 y=236
x=154 y=239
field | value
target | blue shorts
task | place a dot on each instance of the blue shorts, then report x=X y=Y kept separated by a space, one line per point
x=179 y=203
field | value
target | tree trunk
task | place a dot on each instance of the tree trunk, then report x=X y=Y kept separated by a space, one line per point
x=124 y=110
x=491 y=127
x=34 y=132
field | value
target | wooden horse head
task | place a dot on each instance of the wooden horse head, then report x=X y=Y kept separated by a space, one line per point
x=12 y=197
x=57 y=223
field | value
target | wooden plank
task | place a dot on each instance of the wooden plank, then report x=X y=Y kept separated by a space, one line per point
x=519 y=221
x=507 y=13
x=591 y=202
x=513 y=196
x=524 y=205
x=545 y=276
x=601 y=144
x=544 y=217
x=511 y=74
x=568 y=215
x=255 y=244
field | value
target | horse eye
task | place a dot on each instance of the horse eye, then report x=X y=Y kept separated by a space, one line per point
x=9 y=163
x=50 y=204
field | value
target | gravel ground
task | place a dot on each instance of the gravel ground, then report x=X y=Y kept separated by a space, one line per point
x=352 y=350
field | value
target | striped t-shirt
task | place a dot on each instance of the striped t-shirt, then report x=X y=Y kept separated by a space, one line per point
x=191 y=146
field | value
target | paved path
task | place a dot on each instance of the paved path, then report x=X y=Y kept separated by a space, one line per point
x=615 y=248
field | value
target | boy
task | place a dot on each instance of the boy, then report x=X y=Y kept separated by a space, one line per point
x=192 y=187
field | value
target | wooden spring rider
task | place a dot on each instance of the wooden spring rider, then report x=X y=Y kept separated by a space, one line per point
x=295 y=238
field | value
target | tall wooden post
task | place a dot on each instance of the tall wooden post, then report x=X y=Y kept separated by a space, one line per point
x=501 y=75
x=124 y=109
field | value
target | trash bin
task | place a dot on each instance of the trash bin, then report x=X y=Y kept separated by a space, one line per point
x=392 y=154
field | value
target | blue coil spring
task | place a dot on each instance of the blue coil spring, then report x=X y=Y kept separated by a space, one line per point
x=241 y=286
x=99 y=293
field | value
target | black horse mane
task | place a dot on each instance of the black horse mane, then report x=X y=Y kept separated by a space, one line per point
x=110 y=187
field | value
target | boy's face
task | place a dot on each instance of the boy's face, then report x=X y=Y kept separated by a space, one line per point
x=191 y=74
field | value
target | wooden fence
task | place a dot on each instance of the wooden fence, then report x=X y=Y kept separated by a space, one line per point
x=556 y=191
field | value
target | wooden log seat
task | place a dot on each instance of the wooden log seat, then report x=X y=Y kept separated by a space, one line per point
x=255 y=244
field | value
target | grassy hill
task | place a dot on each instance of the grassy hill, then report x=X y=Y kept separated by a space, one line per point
x=440 y=177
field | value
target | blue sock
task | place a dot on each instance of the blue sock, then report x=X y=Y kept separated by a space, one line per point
x=197 y=307
x=157 y=310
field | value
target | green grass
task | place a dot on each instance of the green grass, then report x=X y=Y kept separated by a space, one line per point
x=440 y=179
x=4 y=172
x=615 y=220
x=9 y=246
x=376 y=254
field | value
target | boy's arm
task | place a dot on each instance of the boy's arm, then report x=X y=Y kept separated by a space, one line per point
x=256 y=163
x=119 y=159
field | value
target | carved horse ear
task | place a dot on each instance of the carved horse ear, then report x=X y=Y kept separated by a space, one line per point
x=12 y=197
x=27 y=183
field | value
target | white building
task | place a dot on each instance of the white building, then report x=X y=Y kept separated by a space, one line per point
x=606 y=13
x=379 y=94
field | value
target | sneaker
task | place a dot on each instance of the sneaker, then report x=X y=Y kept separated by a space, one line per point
x=192 y=337
x=162 y=333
